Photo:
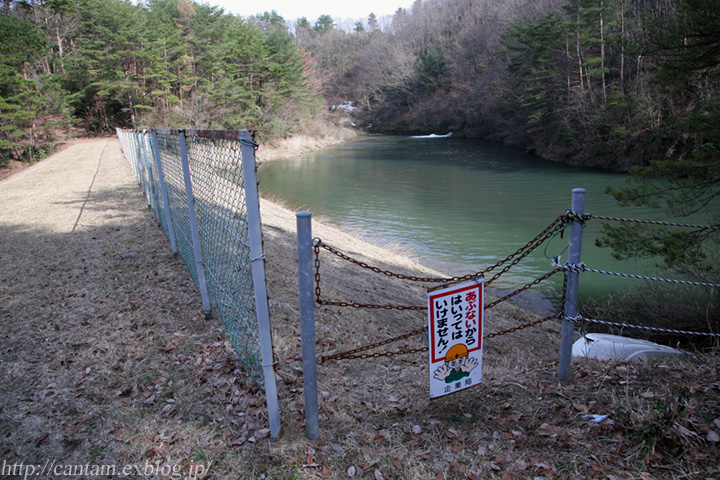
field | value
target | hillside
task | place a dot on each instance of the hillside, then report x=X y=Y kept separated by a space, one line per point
x=107 y=360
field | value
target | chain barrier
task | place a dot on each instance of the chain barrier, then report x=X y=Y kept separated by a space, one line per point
x=557 y=227
x=580 y=319
x=557 y=224
x=523 y=288
x=524 y=326
x=355 y=353
x=321 y=302
x=362 y=351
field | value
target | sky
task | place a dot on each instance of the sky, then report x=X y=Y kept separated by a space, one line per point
x=291 y=10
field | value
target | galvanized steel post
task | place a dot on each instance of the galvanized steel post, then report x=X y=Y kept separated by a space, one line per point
x=163 y=191
x=142 y=168
x=199 y=266
x=573 y=277
x=147 y=159
x=307 y=322
x=257 y=262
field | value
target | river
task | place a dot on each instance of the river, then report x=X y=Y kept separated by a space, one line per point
x=459 y=205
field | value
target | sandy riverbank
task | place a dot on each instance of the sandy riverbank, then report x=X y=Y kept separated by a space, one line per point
x=301 y=144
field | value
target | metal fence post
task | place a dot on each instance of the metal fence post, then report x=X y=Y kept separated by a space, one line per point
x=145 y=155
x=200 y=268
x=142 y=173
x=307 y=322
x=573 y=277
x=163 y=191
x=257 y=259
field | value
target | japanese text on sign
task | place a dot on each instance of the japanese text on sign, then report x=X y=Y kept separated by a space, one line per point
x=455 y=322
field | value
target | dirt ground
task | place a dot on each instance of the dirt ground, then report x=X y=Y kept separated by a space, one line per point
x=107 y=361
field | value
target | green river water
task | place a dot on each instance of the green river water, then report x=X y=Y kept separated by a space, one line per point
x=459 y=205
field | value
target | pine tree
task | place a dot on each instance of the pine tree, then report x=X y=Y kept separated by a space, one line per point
x=682 y=176
x=20 y=44
x=537 y=51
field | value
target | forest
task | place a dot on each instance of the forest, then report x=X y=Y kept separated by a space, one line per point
x=89 y=66
x=623 y=85
x=604 y=83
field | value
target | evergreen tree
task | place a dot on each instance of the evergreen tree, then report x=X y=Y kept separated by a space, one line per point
x=682 y=177
x=537 y=51
x=20 y=44
x=323 y=24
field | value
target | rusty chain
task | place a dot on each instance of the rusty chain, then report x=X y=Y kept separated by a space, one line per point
x=523 y=326
x=523 y=288
x=317 y=243
x=556 y=225
x=355 y=353
x=522 y=252
x=361 y=352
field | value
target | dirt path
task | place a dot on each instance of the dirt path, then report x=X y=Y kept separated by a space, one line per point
x=89 y=295
x=107 y=361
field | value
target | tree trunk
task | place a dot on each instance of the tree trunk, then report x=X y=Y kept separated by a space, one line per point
x=60 y=47
x=132 y=111
x=602 y=53
x=578 y=51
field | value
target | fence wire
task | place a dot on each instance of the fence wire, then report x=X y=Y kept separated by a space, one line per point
x=579 y=319
x=216 y=181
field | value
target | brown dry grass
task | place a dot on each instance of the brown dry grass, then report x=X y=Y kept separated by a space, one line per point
x=106 y=359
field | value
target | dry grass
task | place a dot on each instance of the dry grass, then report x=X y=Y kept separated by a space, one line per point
x=106 y=359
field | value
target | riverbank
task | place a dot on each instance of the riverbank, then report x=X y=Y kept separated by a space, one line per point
x=107 y=360
x=298 y=145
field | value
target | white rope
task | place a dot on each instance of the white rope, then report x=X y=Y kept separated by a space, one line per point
x=653 y=222
x=579 y=318
x=580 y=267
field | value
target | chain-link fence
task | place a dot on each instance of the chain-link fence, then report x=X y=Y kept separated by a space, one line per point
x=195 y=181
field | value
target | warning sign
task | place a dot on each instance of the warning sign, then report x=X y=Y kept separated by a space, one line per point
x=455 y=325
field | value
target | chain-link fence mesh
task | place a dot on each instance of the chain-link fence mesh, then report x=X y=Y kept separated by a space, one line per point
x=217 y=178
x=218 y=200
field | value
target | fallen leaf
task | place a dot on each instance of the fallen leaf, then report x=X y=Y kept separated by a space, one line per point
x=378 y=475
x=546 y=430
x=326 y=470
x=351 y=471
